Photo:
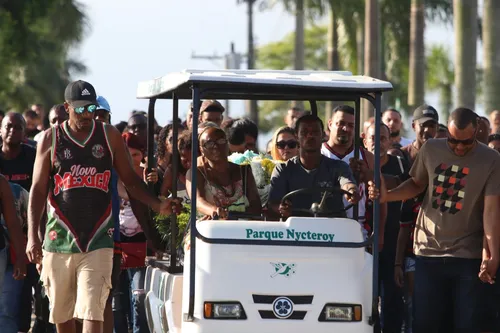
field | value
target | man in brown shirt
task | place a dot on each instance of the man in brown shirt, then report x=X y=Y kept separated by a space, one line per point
x=425 y=124
x=460 y=207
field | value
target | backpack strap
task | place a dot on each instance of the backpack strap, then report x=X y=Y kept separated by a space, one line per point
x=400 y=161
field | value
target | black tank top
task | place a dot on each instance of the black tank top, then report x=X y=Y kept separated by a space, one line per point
x=80 y=195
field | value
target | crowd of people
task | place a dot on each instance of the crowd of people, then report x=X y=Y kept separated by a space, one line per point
x=77 y=220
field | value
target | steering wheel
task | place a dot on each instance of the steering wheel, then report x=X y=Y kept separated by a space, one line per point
x=241 y=215
x=318 y=208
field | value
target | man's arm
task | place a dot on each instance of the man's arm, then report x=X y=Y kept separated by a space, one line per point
x=123 y=166
x=407 y=190
x=491 y=216
x=391 y=181
x=418 y=181
x=38 y=195
x=345 y=176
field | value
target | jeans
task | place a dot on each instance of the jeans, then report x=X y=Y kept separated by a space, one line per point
x=447 y=295
x=131 y=295
x=10 y=302
x=391 y=317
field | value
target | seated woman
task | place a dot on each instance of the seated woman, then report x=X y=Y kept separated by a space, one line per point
x=221 y=186
x=284 y=144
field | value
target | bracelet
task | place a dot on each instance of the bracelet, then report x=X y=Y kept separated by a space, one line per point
x=398 y=265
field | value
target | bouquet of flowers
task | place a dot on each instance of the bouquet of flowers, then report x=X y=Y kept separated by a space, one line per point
x=162 y=223
x=262 y=169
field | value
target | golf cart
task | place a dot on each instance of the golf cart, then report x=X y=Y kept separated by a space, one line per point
x=305 y=274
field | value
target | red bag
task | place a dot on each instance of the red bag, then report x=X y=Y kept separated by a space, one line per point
x=133 y=255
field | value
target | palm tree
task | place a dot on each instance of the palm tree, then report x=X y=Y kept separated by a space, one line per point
x=491 y=50
x=440 y=77
x=465 y=25
x=43 y=35
x=417 y=54
x=372 y=49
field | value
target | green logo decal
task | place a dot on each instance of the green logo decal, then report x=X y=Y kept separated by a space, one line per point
x=284 y=269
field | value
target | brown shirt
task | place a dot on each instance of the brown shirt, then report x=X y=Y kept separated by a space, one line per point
x=450 y=221
x=410 y=152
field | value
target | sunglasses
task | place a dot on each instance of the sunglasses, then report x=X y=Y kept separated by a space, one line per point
x=292 y=144
x=494 y=137
x=466 y=142
x=215 y=144
x=90 y=108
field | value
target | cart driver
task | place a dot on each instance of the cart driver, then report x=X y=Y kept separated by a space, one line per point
x=310 y=169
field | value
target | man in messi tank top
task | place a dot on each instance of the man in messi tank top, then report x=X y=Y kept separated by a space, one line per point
x=73 y=171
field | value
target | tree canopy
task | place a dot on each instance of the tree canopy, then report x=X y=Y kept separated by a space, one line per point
x=35 y=40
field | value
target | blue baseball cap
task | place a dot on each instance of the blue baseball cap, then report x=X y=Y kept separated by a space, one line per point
x=102 y=104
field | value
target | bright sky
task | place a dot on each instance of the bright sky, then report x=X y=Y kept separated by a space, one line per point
x=130 y=41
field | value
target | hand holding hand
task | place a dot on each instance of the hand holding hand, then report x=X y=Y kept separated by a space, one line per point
x=488 y=270
x=19 y=269
x=34 y=250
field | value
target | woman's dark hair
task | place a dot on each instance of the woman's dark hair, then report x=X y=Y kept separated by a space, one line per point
x=235 y=135
x=121 y=126
x=162 y=138
x=247 y=126
x=161 y=145
x=184 y=142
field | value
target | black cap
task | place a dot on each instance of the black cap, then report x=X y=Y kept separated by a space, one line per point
x=425 y=113
x=80 y=93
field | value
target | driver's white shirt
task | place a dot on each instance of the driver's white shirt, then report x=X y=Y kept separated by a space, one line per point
x=327 y=151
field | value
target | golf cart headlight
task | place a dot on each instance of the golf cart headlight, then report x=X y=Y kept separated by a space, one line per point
x=224 y=310
x=227 y=310
x=343 y=313
x=340 y=312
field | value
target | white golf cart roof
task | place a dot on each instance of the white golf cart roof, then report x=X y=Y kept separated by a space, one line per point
x=263 y=84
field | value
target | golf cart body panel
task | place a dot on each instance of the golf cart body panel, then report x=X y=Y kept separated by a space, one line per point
x=301 y=274
x=229 y=273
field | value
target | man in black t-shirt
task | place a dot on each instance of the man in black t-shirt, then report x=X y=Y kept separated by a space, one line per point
x=16 y=158
x=392 y=295
x=310 y=169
